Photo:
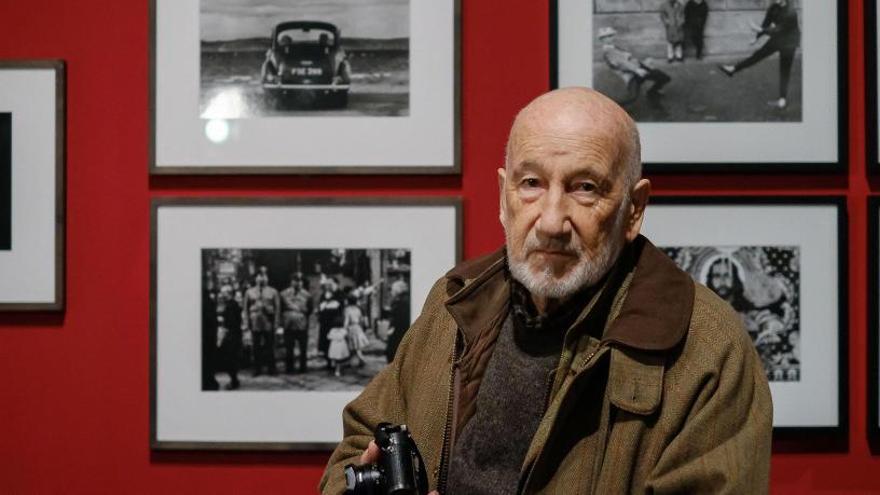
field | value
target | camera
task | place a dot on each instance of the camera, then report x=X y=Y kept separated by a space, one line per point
x=400 y=470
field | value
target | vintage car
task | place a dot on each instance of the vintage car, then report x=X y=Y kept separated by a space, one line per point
x=306 y=64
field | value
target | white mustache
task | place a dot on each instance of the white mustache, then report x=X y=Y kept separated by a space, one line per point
x=571 y=246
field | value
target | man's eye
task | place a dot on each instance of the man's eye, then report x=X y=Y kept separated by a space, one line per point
x=585 y=187
x=531 y=182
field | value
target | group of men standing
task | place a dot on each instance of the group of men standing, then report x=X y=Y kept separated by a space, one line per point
x=262 y=310
x=264 y=313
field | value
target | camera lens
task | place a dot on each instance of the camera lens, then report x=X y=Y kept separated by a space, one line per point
x=363 y=480
x=350 y=477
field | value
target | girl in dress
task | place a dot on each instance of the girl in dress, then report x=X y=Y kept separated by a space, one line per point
x=338 y=350
x=357 y=338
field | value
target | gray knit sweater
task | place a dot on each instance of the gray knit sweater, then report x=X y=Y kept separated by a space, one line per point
x=490 y=449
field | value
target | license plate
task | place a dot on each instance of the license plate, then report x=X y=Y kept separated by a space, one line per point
x=307 y=71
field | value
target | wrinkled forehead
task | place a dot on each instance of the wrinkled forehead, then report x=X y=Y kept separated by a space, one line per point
x=536 y=137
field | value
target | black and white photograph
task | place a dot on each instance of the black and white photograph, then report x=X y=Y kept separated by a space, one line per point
x=722 y=86
x=762 y=283
x=781 y=264
x=5 y=181
x=302 y=57
x=281 y=87
x=283 y=309
x=32 y=151
x=700 y=61
x=301 y=319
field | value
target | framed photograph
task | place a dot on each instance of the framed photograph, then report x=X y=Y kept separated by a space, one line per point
x=269 y=315
x=872 y=113
x=781 y=263
x=715 y=85
x=304 y=87
x=874 y=322
x=32 y=185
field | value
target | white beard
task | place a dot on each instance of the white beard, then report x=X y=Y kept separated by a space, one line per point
x=587 y=272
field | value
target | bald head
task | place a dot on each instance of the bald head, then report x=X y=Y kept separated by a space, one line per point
x=581 y=114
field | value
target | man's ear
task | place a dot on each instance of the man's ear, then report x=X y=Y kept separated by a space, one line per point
x=638 y=203
x=502 y=202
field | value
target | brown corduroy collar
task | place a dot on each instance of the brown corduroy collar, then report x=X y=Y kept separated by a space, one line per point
x=654 y=315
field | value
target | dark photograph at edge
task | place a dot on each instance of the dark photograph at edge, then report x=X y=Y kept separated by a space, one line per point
x=301 y=319
x=762 y=283
x=700 y=60
x=5 y=181
x=263 y=58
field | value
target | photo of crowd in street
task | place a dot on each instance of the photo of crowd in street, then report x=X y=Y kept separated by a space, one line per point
x=301 y=319
x=700 y=60
x=262 y=58
x=762 y=283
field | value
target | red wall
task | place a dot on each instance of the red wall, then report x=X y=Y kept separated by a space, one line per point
x=75 y=387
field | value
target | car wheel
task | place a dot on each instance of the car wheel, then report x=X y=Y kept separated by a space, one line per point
x=339 y=99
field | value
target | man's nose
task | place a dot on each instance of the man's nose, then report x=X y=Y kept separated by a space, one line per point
x=555 y=219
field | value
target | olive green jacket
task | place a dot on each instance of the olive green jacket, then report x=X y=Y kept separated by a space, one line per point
x=671 y=399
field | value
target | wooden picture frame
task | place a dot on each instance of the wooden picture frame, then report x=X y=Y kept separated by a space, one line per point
x=210 y=115
x=195 y=241
x=32 y=99
x=799 y=273
x=873 y=351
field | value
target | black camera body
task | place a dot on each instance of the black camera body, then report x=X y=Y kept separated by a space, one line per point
x=400 y=470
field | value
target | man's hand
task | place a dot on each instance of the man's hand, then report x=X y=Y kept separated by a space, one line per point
x=371 y=455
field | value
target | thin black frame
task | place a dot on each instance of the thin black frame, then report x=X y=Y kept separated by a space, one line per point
x=800 y=433
x=454 y=169
x=751 y=167
x=244 y=202
x=873 y=382
x=60 y=197
x=871 y=100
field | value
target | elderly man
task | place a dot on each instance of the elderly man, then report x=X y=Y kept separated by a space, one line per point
x=579 y=359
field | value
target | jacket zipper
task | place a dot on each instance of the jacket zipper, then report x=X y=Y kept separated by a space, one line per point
x=548 y=391
x=523 y=487
x=445 y=452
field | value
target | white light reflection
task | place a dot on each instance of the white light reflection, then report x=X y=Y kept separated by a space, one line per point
x=229 y=103
x=217 y=130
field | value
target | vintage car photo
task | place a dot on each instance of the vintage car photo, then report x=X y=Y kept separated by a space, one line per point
x=306 y=66
x=285 y=58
